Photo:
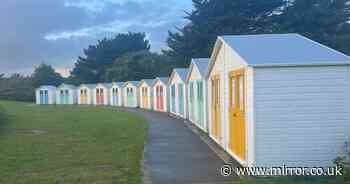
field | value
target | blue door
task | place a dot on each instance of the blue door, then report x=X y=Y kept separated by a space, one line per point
x=41 y=101
x=46 y=97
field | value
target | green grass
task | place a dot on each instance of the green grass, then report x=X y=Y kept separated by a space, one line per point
x=69 y=144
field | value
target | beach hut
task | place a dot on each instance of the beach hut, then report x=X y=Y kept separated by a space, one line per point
x=146 y=93
x=197 y=92
x=161 y=94
x=131 y=95
x=85 y=94
x=101 y=94
x=116 y=94
x=45 y=95
x=279 y=99
x=66 y=94
x=178 y=97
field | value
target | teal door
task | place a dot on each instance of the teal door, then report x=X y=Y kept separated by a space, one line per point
x=181 y=99
x=62 y=97
x=66 y=97
x=173 y=90
x=200 y=103
x=191 y=100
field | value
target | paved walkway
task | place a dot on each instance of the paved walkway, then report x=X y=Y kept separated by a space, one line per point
x=176 y=155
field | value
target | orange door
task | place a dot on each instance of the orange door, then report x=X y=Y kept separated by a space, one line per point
x=237 y=143
x=216 y=124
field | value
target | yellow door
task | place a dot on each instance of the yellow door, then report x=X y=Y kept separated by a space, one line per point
x=237 y=142
x=216 y=125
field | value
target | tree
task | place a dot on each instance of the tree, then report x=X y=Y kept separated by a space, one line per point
x=326 y=21
x=211 y=18
x=137 y=66
x=45 y=75
x=99 y=57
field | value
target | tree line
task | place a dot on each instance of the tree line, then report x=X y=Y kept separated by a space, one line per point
x=128 y=56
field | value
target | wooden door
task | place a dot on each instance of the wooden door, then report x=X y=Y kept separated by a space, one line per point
x=237 y=141
x=102 y=95
x=97 y=96
x=41 y=96
x=161 y=97
x=46 y=97
x=181 y=99
x=66 y=97
x=216 y=113
x=200 y=103
x=145 y=97
x=191 y=100
x=173 y=98
x=61 y=97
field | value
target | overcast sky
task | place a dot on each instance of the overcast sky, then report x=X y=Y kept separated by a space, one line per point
x=56 y=31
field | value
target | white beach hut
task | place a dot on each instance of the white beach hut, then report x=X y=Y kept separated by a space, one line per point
x=279 y=100
x=101 y=94
x=178 y=97
x=146 y=93
x=66 y=94
x=161 y=94
x=45 y=95
x=116 y=94
x=85 y=94
x=131 y=95
x=197 y=92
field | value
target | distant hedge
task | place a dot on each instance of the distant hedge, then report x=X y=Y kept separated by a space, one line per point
x=17 y=88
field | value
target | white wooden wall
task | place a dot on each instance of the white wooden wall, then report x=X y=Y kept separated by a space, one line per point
x=302 y=114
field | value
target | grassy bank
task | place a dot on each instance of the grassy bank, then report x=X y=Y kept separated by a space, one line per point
x=70 y=144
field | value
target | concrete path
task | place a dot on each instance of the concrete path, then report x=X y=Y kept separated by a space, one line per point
x=176 y=155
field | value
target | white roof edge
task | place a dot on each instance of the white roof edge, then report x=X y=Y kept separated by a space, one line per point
x=324 y=46
x=297 y=65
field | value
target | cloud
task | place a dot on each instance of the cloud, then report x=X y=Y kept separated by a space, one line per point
x=57 y=31
x=116 y=26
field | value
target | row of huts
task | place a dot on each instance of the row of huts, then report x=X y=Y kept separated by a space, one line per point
x=268 y=100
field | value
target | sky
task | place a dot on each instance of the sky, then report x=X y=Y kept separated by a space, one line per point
x=56 y=31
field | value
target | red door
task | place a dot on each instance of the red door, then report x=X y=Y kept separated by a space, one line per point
x=161 y=97
x=101 y=97
x=97 y=96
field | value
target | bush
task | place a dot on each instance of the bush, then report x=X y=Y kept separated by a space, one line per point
x=344 y=162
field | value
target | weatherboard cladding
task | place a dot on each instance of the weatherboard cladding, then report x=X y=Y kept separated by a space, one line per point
x=301 y=114
x=283 y=49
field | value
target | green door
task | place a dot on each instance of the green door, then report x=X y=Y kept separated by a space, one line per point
x=173 y=98
x=181 y=99
x=200 y=103
x=191 y=100
x=130 y=94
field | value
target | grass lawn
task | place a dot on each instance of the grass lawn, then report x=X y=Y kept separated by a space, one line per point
x=69 y=144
